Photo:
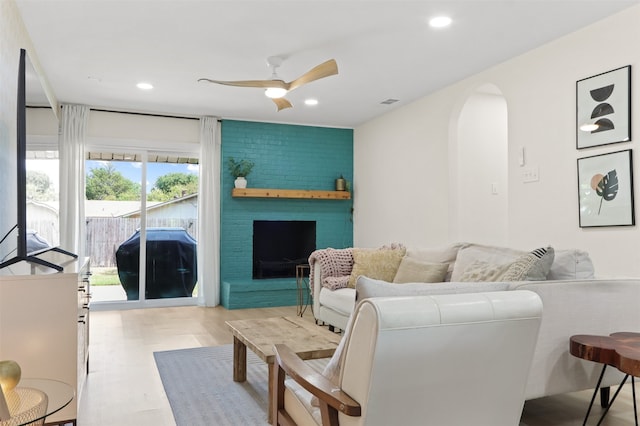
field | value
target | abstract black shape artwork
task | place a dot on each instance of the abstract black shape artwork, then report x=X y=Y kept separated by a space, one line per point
x=606 y=186
x=602 y=93
x=604 y=124
x=603 y=108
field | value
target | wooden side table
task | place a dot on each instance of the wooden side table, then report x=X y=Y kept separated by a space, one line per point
x=620 y=350
x=302 y=283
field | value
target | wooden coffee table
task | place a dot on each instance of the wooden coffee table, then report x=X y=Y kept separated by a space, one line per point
x=620 y=350
x=308 y=340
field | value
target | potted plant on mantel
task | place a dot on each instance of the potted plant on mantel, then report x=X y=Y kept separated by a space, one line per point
x=240 y=170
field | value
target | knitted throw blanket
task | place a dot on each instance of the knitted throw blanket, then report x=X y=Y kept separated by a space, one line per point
x=336 y=266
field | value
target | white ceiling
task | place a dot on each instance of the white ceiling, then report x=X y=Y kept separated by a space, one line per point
x=95 y=51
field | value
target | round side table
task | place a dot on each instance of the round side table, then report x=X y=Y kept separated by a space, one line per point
x=35 y=399
x=619 y=350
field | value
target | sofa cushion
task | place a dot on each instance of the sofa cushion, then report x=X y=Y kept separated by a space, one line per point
x=302 y=406
x=367 y=287
x=571 y=264
x=379 y=263
x=481 y=271
x=340 y=300
x=415 y=270
x=532 y=266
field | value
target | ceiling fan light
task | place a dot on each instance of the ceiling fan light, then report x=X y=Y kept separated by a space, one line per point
x=275 y=92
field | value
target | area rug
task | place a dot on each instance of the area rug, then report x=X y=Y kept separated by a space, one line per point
x=201 y=391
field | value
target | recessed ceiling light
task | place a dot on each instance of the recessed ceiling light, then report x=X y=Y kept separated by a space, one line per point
x=311 y=102
x=144 y=86
x=440 y=22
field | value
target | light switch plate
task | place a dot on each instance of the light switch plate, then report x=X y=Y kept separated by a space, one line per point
x=530 y=174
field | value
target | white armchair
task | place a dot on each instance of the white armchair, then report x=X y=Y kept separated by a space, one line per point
x=457 y=359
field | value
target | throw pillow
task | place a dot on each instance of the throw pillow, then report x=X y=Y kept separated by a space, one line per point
x=532 y=266
x=490 y=254
x=480 y=271
x=412 y=270
x=446 y=255
x=571 y=264
x=381 y=264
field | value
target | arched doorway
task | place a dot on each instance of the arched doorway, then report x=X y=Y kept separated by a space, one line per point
x=482 y=167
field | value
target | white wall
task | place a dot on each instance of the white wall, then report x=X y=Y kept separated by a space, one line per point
x=415 y=142
x=400 y=189
x=13 y=37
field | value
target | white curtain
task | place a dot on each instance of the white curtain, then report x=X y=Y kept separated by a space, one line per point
x=209 y=213
x=73 y=130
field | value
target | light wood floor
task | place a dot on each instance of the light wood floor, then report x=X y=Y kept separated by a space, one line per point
x=124 y=388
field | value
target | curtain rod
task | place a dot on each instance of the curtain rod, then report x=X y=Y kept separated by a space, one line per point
x=147 y=114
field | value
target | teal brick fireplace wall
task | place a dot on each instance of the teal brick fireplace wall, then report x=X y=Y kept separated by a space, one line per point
x=285 y=157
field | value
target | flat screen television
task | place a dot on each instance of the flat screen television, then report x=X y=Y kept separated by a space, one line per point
x=25 y=251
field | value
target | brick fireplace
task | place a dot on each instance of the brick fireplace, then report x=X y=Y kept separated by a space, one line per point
x=285 y=157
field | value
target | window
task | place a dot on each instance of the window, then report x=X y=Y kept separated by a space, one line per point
x=43 y=198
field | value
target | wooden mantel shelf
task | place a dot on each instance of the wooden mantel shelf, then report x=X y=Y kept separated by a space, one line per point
x=290 y=193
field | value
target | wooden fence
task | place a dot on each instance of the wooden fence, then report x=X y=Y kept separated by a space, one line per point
x=105 y=234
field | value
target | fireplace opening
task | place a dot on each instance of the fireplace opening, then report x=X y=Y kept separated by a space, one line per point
x=279 y=245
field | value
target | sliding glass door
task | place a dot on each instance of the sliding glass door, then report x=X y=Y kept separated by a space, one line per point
x=171 y=228
x=141 y=212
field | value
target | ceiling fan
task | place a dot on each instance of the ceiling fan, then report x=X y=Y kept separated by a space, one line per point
x=276 y=88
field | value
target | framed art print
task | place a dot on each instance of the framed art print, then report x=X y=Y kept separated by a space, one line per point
x=603 y=108
x=605 y=190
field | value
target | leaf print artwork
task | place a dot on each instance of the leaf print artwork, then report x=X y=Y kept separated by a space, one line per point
x=606 y=186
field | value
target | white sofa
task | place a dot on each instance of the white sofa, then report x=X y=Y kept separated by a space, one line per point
x=574 y=303
x=402 y=359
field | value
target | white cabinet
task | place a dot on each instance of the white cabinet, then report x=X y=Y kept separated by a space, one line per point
x=44 y=322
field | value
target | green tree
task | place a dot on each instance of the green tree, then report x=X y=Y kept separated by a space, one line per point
x=39 y=187
x=173 y=185
x=106 y=183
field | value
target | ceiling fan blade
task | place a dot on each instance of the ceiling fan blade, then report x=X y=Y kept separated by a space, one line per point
x=249 y=83
x=282 y=103
x=323 y=70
